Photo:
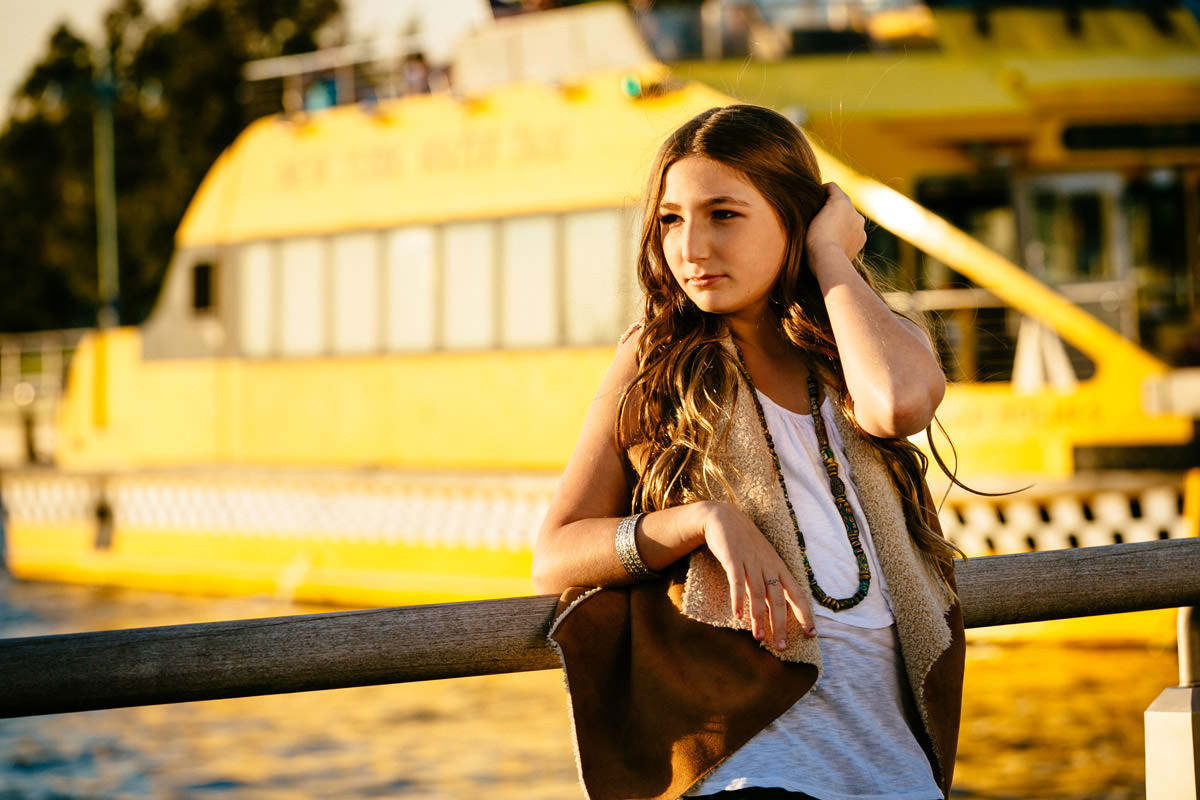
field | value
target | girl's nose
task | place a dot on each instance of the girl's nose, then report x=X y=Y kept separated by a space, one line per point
x=695 y=243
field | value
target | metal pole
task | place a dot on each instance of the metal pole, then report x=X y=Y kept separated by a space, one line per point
x=1188 y=633
x=106 y=191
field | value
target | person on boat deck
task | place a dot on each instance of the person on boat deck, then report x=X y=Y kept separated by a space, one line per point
x=750 y=438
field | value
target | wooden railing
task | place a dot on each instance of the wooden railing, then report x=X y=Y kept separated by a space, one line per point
x=110 y=669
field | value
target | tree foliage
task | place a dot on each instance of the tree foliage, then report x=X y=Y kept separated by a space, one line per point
x=175 y=108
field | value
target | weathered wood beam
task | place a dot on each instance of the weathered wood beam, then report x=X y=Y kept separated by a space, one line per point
x=1060 y=584
x=144 y=666
x=205 y=661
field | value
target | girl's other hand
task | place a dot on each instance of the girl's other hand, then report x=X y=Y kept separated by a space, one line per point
x=838 y=223
x=760 y=584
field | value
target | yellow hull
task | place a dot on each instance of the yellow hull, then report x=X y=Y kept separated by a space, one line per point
x=303 y=569
x=350 y=539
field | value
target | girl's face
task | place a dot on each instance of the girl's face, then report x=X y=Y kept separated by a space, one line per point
x=723 y=242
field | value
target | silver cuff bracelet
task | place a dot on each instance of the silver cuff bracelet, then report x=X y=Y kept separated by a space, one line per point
x=627 y=550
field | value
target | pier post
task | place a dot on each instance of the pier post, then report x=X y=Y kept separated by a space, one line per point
x=1173 y=719
x=1173 y=724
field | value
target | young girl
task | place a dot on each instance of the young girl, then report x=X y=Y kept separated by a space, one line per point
x=752 y=431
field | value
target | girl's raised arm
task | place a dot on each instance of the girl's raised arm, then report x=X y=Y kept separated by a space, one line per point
x=891 y=371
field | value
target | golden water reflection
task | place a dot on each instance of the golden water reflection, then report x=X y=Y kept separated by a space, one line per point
x=1042 y=720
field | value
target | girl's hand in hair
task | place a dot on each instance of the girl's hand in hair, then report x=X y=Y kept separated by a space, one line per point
x=892 y=374
x=838 y=224
x=761 y=586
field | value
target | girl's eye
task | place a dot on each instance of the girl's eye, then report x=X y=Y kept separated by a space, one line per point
x=724 y=213
x=667 y=220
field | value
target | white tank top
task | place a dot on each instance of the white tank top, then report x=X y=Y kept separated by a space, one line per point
x=826 y=543
x=850 y=738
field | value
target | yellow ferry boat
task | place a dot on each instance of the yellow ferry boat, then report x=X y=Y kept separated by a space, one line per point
x=383 y=324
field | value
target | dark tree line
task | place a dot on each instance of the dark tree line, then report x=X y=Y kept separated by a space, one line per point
x=175 y=108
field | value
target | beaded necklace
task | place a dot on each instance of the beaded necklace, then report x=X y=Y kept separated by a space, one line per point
x=836 y=486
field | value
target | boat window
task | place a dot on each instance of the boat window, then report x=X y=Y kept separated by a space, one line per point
x=411 y=285
x=302 y=292
x=355 y=293
x=1160 y=228
x=528 y=285
x=202 y=287
x=256 y=299
x=1068 y=237
x=468 y=305
x=594 y=248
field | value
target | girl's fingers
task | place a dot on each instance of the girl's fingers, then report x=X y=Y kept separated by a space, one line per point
x=758 y=609
x=838 y=222
x=777 y=610
x=765 y=601
x=803 y=610
x=737 y=595
x=761 y=589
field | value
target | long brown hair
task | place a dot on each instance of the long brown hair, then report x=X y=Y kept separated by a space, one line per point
x=675 y=412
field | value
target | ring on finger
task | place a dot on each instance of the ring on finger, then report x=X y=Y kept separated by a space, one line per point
x=772 y=581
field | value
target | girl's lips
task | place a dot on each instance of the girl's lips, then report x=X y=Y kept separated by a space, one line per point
x=701 y=281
